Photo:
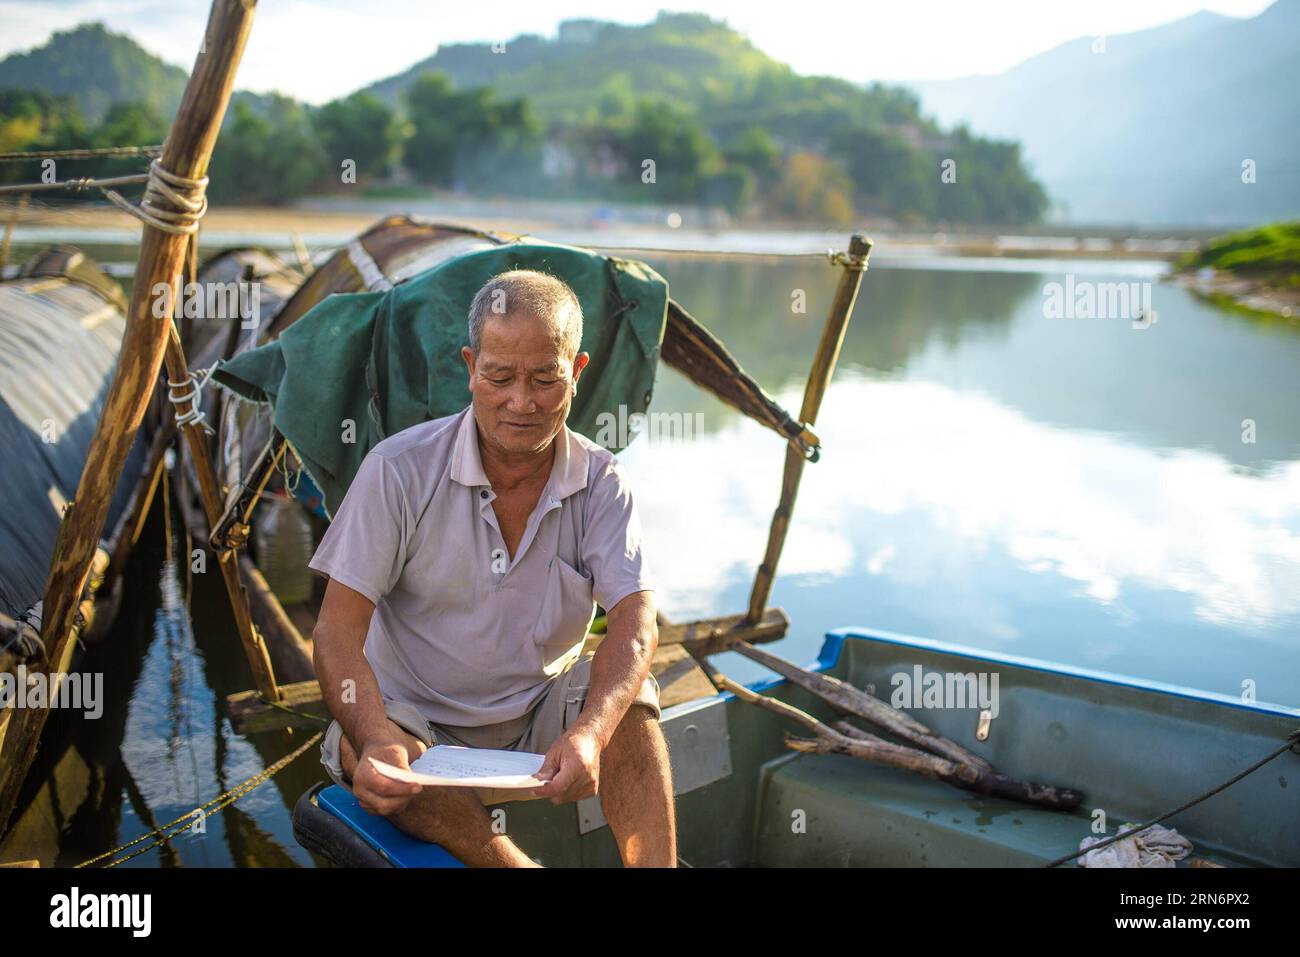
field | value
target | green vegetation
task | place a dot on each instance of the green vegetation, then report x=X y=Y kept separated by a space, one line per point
x=269 y=158
x=360 y=128
x=1268 y=252
x=468 y=140
x=682 y=110
x=97 y=69
x=35 y=120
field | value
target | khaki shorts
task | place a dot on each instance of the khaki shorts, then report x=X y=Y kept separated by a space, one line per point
x=534 y=731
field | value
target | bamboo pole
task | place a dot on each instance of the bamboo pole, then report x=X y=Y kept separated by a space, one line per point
x=186 y=153
x=854 y=264
x=255 y=650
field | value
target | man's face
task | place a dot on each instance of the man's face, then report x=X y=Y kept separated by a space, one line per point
x=522 y=382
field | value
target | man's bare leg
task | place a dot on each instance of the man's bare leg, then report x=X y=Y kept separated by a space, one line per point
x=452 y=817
x=636 y=791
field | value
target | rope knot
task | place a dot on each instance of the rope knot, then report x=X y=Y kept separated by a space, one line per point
x=172 y=203
x=187 y=405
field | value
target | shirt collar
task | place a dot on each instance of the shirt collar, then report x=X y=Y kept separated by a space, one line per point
x=568 y=471
x=466 y=465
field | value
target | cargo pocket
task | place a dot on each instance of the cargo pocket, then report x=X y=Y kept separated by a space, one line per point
x=566 y=611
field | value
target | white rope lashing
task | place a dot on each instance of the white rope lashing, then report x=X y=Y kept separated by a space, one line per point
x=171 y=203
x=188 y=404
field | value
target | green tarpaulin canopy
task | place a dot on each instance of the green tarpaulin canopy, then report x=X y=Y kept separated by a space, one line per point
x=384 y=361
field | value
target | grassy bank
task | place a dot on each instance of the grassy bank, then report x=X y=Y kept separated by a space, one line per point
x=1271 y=252
x=1257 y=270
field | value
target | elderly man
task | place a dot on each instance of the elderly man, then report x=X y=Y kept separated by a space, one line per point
x=463 y=565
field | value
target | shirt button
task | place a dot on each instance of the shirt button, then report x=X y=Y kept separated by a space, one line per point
x=483 y=493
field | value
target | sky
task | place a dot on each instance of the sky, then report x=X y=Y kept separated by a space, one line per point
x=316 y=50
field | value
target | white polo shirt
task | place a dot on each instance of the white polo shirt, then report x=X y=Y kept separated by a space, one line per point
x=460 y=630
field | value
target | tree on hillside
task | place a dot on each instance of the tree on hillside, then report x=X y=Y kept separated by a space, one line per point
x=36 y=120
x=755 y=150
x=125 y=124
x=359 y=128
x=889 y=174
x=465 y=138
x=992 y=184
x=683 y=154
x=815 y=188
x=131 y=124
x=267 y=159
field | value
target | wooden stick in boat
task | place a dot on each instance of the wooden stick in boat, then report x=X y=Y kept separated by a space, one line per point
x=844 y=697
x=186 y=154
x=960 y=775
x=828 y=351
x=831 y=740
x=255 y=650
x=290 y=652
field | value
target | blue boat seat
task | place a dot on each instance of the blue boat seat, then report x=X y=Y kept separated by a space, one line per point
x=329 y=820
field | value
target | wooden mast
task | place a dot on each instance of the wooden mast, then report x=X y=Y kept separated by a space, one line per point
x=162 y=254
x=854 y=264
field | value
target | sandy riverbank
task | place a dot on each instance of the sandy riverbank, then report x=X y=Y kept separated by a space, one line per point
x=329 y=226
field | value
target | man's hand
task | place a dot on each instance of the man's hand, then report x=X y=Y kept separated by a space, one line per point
x=378 y=793
x=571 y=768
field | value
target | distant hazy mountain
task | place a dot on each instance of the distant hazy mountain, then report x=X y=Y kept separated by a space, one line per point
x=98 y=68
x=1156 y=127
x=684 y=56
x=694 y=61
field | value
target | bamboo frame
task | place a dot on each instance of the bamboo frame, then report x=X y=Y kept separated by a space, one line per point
x=854 y=264
x=229 y=529
x=186 y=153
x=255 y=650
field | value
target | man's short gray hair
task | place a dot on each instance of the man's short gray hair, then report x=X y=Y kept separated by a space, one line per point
x=531 y=293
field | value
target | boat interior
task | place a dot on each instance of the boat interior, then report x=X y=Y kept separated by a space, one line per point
x=744 y=800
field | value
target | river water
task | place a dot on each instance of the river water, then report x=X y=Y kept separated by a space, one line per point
x=1113 y=493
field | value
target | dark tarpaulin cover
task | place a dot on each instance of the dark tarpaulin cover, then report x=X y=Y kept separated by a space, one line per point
x=406 y=342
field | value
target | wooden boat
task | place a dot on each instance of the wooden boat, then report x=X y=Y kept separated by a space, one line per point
x=61 y=324
x=1134 y=747
x=744 y=799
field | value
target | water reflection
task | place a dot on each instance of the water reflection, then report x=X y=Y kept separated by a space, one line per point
x=1189 y=381
x=1073 y=489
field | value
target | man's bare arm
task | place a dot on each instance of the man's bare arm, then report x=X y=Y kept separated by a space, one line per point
x=571 y=767
x=347 y=682
x=620 y=665
x=352 y=694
